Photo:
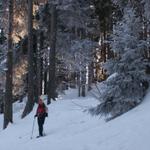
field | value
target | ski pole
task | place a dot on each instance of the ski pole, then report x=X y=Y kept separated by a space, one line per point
x=32 y=128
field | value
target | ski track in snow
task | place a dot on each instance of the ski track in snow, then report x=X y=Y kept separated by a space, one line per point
x=68 y=127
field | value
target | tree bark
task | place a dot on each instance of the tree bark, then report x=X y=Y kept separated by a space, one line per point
x=8 y=117
x=30 y=102
x=45 y=76
x=39 y=63
x=83 y=82
x=90 y=76
x=79 y=83
x=35 y=65
x=52 y=57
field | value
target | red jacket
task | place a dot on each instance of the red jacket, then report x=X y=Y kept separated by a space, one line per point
x=41 y=110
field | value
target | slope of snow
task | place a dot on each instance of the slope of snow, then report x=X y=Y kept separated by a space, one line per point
x=68 y=127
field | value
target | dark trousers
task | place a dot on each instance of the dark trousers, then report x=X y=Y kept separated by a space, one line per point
x=41 y=120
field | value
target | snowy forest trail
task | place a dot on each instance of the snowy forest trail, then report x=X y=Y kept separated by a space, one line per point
x=68 y=127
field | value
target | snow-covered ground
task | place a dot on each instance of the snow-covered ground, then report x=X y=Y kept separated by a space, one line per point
x=68 y=127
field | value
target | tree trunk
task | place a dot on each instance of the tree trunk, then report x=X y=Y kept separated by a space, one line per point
x=39 y=63
x=30 y=102
x=79 y=83
x=45 y=80
x=35 y=66
x=83 y=82
x=90 y=76
x=52 y=57
x=8 y=117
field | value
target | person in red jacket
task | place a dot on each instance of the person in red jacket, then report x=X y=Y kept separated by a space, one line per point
x=41 y=113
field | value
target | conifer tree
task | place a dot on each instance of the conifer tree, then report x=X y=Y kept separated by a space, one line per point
x=31 y=100
x=128 y=85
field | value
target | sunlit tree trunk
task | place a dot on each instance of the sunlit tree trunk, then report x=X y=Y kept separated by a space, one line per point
x=30 y=102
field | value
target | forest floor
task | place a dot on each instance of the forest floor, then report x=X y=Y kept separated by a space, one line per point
x=70 y=127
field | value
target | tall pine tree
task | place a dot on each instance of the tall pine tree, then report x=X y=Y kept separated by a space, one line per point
x=31 y=100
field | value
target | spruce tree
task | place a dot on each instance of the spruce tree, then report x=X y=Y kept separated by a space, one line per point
x=127 y=87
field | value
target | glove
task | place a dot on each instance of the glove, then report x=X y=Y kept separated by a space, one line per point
x=46 y=114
